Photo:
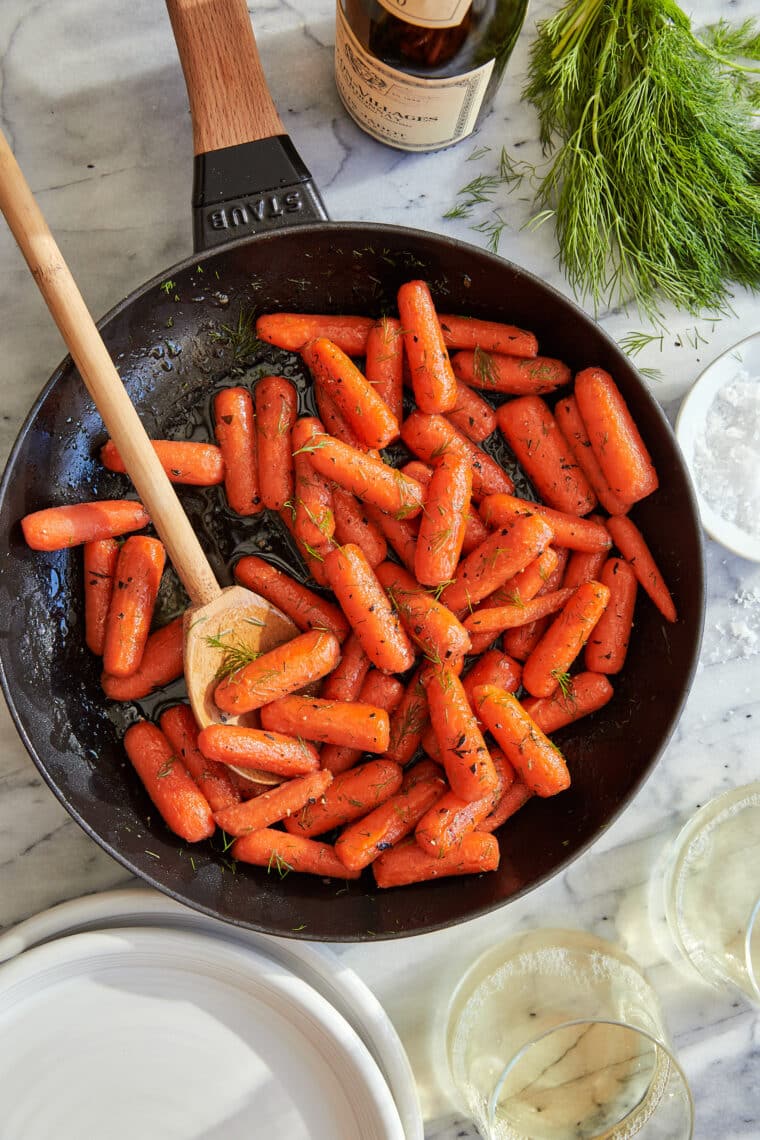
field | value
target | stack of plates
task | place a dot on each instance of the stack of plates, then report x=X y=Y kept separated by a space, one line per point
x=127 y=1015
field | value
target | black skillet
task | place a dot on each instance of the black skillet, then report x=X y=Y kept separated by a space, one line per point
x=263 y=243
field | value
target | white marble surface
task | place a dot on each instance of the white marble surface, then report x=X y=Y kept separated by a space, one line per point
x=93 y=100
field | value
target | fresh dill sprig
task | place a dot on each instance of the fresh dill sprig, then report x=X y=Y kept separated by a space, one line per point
x=240 y=338
x=236 y=655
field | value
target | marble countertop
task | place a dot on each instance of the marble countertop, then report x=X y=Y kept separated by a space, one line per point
x=94 y=104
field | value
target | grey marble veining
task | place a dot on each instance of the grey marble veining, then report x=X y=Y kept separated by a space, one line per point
x=92 y=98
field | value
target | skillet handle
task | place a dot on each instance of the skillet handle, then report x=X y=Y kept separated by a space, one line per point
x=249 y=177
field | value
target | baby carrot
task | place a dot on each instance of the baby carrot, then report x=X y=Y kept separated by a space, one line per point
x=364 y=410
x=235 y=428
x=368 y=609
x=539 y=763
x=283 y=670
x=294 y=330
x=490 y=336
x=472 y=415
x=100 y=558
x=364 y=839
x=583 y=694
x=56 y=528
x=214 y=780
x=469 y=767
x=346 y=680
x=259 y=748
x=493 y=620
x=504 y=553
x=184 y=808
x=444 y=521
x=430 y=625
x=512 y=799
x=138 y=576
x=584 y=565
x=521 y=642
x=314 y=510
x=305 y=609
x=313 y=558
x=353 y=524
x=574 y=430
x=400 y=534
x=272 y=806
x=350 y=796
x=368 y=478
x=607 y=647
x=615 y=439
x=569 y=530
x=630 y=542
x=502 y=372
x=281 y=853
x=162 y=662
x=184 y=461
x=431 y=436
x=408 y=863
x=335 y=423
x=276 y=412
x=383 y=692
x=384 y=363
x=532 y=433
x=475 y=530
x=529 y=582
x=408 y=722
x=450 y=818
x=346 y=723
x=433 y=380
x=564 y=639
x=493 y=668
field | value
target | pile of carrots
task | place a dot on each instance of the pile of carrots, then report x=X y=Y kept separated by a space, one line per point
x=428 y=565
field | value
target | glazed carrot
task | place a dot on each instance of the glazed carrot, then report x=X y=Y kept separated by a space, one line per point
x=259 y=748
x=365 y=838
x=511 y=801
x=469 y=767
x=294 y=330
x=56 y=528
x=564 y=639
x=574 y=430
x=100 y=558
x=408 y=722
x=528 y=583
x=615 y=439
x=400 y=534
x=281 y=853
x=313 y=558
x=430 y=625
x=184 y=461
x=184 y=809
x=348 y=676
x=248 y=788
x=493 y=668
x=273 y=805
x=364 y=410
x=514 y=375
x=570 y=531
x=472 y=415
x=504 y=553
x=378 y=689
x=631 y=543
x=450 y=818
x=235 y=428
x=490 y=336
x=430 y=746
x=161 y=663
x=521 y=642
x=347 y=723
x=607 y=647
x=582 y=695
x=475 y=530
x=532 y=433
x=368 y=478
x=305 y=609
x=350 y=796
x=538 y=763
x=283 y=670
x=368 y=609
x=444 y=521
x=214 y=780
x=431 y=436
x=424 y=769
x=494 y=620
x=335 y=423
x=314 y=508
x=408 y=863
x=138 y=576
x=384 y=363
x=353 y=524
x=433 y=380
x=276 y=412
x=584 y=565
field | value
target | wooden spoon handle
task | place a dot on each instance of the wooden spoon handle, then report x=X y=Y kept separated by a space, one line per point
x=229 y=99
x=97 y=370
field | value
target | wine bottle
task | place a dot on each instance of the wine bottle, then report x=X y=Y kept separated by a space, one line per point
x=421 y=74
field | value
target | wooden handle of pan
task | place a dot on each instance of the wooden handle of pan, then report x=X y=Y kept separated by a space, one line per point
x=229 y=98
x=97 y=370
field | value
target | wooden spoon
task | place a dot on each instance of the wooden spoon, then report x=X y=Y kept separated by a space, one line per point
x=228 y=616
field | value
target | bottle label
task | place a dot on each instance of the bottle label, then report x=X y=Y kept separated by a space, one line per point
x=429 y=13
x=403 y=110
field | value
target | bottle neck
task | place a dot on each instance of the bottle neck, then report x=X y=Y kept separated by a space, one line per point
x=428 y=13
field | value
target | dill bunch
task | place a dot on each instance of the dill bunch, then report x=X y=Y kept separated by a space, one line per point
x=655 y=153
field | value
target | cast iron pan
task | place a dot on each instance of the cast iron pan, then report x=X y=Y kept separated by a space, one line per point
x=175 y=346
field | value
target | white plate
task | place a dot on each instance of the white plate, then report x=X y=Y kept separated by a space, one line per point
x=176 y=1035
x=690 y=423
x=316 y=964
